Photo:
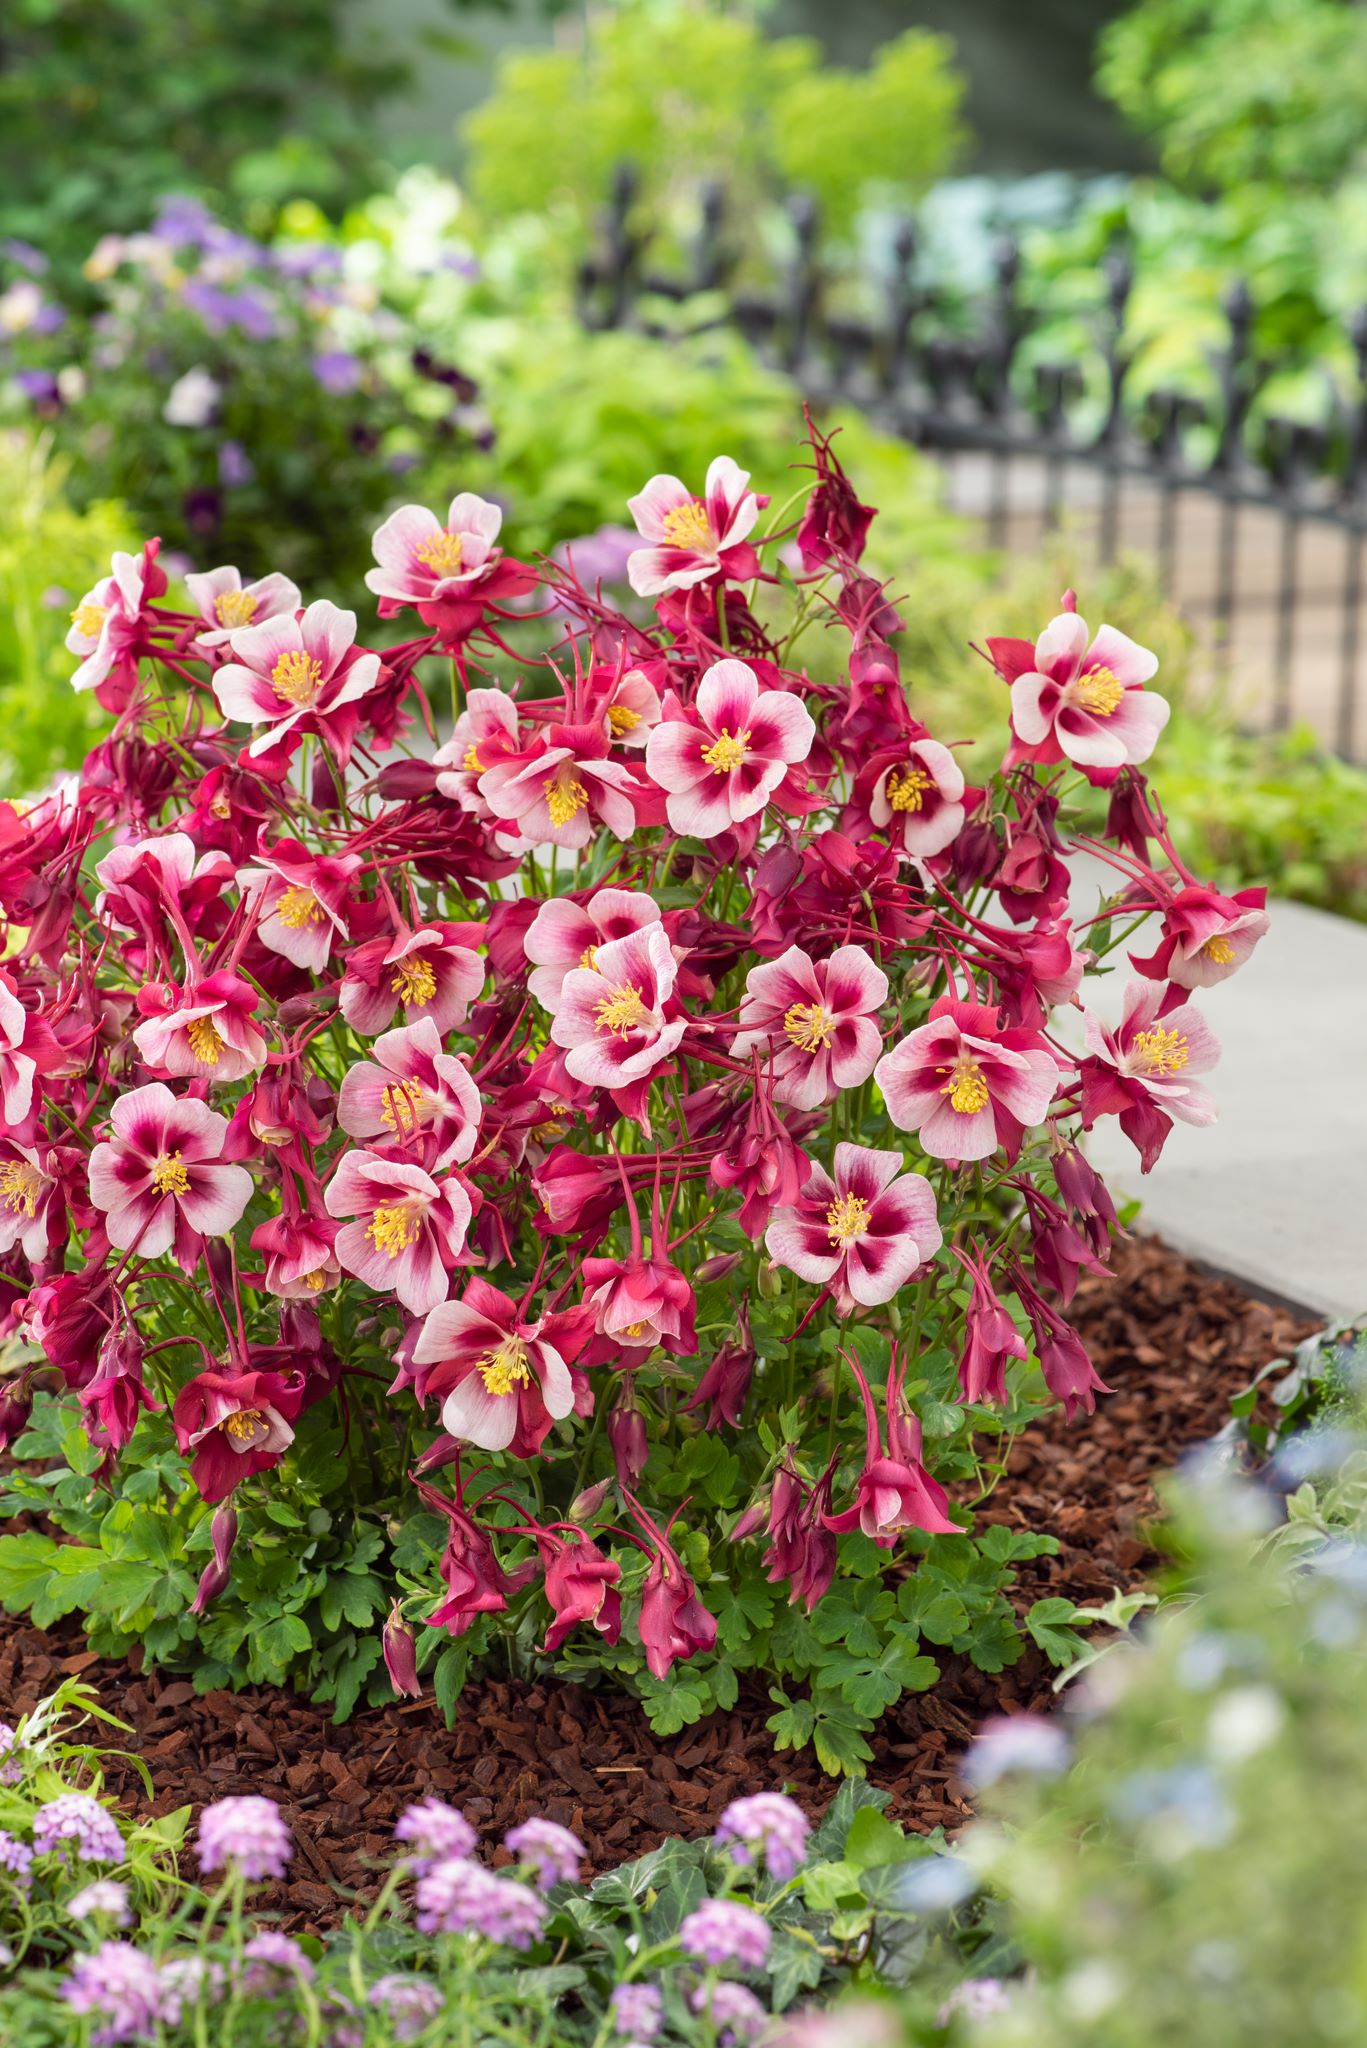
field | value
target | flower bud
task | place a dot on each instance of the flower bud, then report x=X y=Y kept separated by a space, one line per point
x=401 y=1655
x=214 y=1578
x=717 y=1267
x=769 y=1281
x=586 y=1505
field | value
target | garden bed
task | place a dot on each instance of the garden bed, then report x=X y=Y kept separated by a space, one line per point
x=1172 y=1342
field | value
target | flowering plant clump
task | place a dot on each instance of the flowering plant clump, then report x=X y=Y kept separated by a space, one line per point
x=616 y=1163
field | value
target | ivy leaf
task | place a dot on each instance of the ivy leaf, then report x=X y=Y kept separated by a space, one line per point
x=792 y=1966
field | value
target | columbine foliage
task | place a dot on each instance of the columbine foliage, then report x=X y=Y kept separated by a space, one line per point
x=617 y=1169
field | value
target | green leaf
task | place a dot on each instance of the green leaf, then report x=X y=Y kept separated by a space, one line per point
x=741 y=1611
x=874 y=1839
x=448 y=1679
x=1010 y=1546
x=273 y=1646
x=1048 y=1622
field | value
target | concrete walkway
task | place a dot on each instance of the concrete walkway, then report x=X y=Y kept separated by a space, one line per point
x=1276 y=1193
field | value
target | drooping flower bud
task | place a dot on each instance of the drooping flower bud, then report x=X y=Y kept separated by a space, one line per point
x=214 y=1578
x=401 y=1655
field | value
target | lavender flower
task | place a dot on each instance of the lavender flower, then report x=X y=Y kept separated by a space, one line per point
x=720 y=1931
x=435 y=1831
x=77 y=1818
x=978 y=1998
x=1014 y=1742
x=551 y=1853
x=185 y=1982
x=119 y=1986
x=456 y=1897
x=11 y=1770
x=246 y=1833
x=270 y=1955
x=105 y=1895
x=408 y=2003
x=766 y=1824
x=337 y=371
x=637 y=2011
x=734 y=2013
x=16 y=1857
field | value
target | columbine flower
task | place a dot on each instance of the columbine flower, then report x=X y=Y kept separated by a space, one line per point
x=734 y=2014
x=27 y=1050
x=408 y=2003
x=301 y=900
x=691 y=538
x=160 y=1178
x=580 y=1586
x=247 y=1835
x=919 y=799
x=862 y=1231
x=205 y=1032
x=557 y=795
x=564 y=934
x=121 y=1988
x=673 y=1622
x=144 y=880
x=722 y=1931
x=894 y=1491
x=1206 y=936
x=227 y=604
x=721 y=763
x=502 y=1382
x=819 y=1019
x=432 y=972
x=409 y=1230
x=613 y=1018
x=637 y=2011
x=106 y=623
x=30 y=1211
x=485 y=732
x=435 y=1831
x=106 y=1895
x=1080 y=700
x=76 y=1818
x=766 y=1825
x=965 y=1086
x=551 y=1853
x=294 y=676
x=448 y=572
x=412 y=1089
x=455 y=1897
x=1144 y=1071
x=236 y=1423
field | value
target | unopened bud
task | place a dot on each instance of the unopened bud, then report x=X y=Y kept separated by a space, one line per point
x=769 y=1281
x=717 y=1267
x=586 y=1505
x=401 y=1655
x=214 y=1578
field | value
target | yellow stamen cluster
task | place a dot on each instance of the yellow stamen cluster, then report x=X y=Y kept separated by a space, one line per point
x=1218 y=950
x=234 y=608
x=472 y=763
x=688 y=526
x=88 y=619
x=413 y=981
x=246 y=1425
x=966 y=1088
x=20 y=1186
x=297 y=677
x=506 y=1367
x=566 y=796
x=907 y=787
x=299 y=907
x=1160 y=1050
x=589 y=957
x=846 y=1220
x=170 y=1176
x=394 y=1227
x=809 y=1027
x=1099 y=692
x=317 y=1280
x=403 y=1108
x=622 y=719
x=441 y=553
x=623 y=1011
x=221 y=805
x=206 y=1041
x=726 y=753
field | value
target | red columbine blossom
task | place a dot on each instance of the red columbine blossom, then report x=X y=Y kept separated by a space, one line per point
x=236 y=1423
x=990 y=1337
x=448 y=573
x=301 y=901
x=1081 y=700
x=32 y=1212
x=28 y=1050
x=617 y=1020
x=1068 y=1371
x=108 y=626
x=227 y=604
x=863 y=1230
x=1144 y=1071
x=411 y=1090
x=580 y=1585
x=625 y=703
x=295 y=676
x=818 y=1019
x=918 y=800
x=116 y=1397
x=834 y=525
x=409 y=1229
x=966 y=1086
x=204 y=1032
x=674 y=1624
x=301 y=1262
x=147 y=881
x=215 y=1577
x=433 y=972
x=725 y=1384
x=640 y=1302
x=161 y=1179
x=694 y=539
x=501 y=1381
x=801 y=1546
x=475 y=1581
x=565 y=934
x=761 y=1157
x=721 y=763
x=894 y=1490
x=485 y=732
x=1207 y=936
x=555 y=796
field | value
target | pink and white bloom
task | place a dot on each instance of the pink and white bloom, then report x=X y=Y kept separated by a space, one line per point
x=143 y=879
x=28 y=1048
x=862 y=1230
x=628 y=705
x=693 y=539
x=301 y=901
x=412 y=1089
x=1084 y=700
x=564 y=935
x=227 y=604
x=30 y=1201
x=920 y=799
x=161 y=1179
x=104 y=625
x=409 y=1228
x=818 y=1018
x=420 y=560
x=432 y=972
x=965 y=1085
x=1144 y=1071
x=555 y=796
x=485 y=732
x=1207 y=936
x=720 y=763
x=615 y=1019
x=502 y=1382
x=295 y=676
x=204 y=1033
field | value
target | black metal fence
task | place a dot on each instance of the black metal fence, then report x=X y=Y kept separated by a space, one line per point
x=1255 y=520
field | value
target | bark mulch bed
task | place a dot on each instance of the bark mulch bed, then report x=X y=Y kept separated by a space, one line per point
x=1172 y=1342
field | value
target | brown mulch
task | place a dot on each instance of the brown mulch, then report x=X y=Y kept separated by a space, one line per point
x=1173 y=1343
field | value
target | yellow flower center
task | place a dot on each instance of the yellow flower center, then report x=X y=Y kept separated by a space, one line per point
x=472 y=763
x=441 y=552
x=636 y=1329
x=403 y=1108
x=88 y=619
x=246 y=1425
x=395 y=1226
x=413 y=981
x=1099 y=692
x=206 y=1041
x=297 y=677
x=221 y=806
x=566 y=796
x=726 y=753
x=170 y=1176
x=847 y=1219
x=20 y=1186
x=299 y=907
x=907 y=787
x=622 y=1011
x=506 y=1367
x=317 y=1280
x=621 y=718
x=1160 y=1050
x=589 y=957
x=966 y=1088
x=688 y=526
x=235 y=608
x=1218 y=949
x=809 y=1027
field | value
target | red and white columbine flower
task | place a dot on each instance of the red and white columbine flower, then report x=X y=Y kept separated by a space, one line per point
x=433 y=972
x=409 y=1229
x=920 y=799
x=862 y=1230
x=28 y=1192
x=486 y=731
x=1144 y=1071
x=818 y=1018
x=227 y=604
x=301 y=901
x=106 y=623
x=564 y=935
x=1084 y=700
x=203 y=1033
x=422 y=562
x=161 y=1179
x=964 y=1085
x=614 y=1018
x=411 y=1089
x=556 y=795
x=235 y=1423
x=1206 y=936
x=692 y=539
x=502 y=1383
x=27 y=1049
x=297 y=676
x=720 y=763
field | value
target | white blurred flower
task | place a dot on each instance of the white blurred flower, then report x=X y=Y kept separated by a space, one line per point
x=1243 y=1722
x=192 y=399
